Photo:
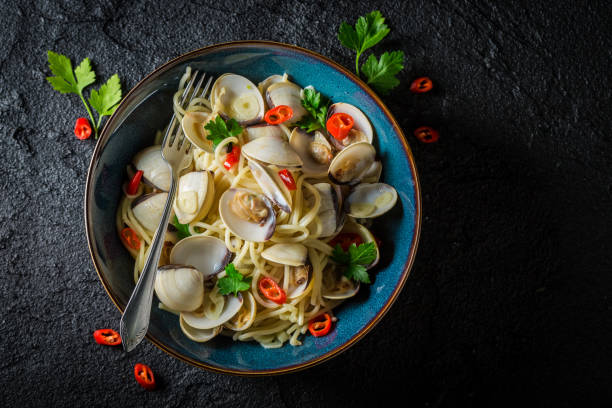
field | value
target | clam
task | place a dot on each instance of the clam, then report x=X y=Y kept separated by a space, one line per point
x=372 y=175
x=370 y=200
x=234 y=96
x=148 y=209
x=272 y=79
x=286 y=93
x=362 y=129
x=314 y=150
x=270 y=150
x=200 y=320
x=336 y=286
x=351 y=163
x=271 y=185
x=247 y=214
x=194 y=196
x=263 y=130
x=208 y=255
x=180 y=287
x=329 y=209
x=199 y=335
x=291 y=254
x=299 y=278
x=365 y=234
x=193 y=126
x=244 y=318
x=155 y=171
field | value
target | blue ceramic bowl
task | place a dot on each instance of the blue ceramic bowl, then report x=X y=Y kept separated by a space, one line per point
x=147 y=108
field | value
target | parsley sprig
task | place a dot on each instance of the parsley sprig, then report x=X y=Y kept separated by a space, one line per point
x=233 y=281
x=369 y=30
x=66 y=80
x=218 y=129
x=354 y=261
x=316 y=105
x=182 y=230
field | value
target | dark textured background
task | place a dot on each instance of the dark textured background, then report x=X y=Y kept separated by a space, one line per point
x=509 y=296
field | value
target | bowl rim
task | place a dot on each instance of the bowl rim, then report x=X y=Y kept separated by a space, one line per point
x=105 y=134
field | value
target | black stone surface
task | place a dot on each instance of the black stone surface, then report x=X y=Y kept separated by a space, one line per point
x=509 y=299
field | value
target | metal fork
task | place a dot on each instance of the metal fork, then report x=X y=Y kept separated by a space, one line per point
x=175 y=152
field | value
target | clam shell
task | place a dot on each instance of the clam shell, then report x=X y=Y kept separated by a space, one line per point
x=351 y=163
x=365 y=234
x=251 y=304
x=244 y=229
x=271 y=185
x=148 y=209
x=263 y=130
x=329 y=209
x=201 y=321
x=208 y=255
x=271 y=150
x=360 y=122
x=179 y=287
x=370 y=200
x=237 y=97
x=291 y=254
x=199 y=335
x=155 y=171
x=193 y=126
x=194 y=196
x=300 y=141
x=286 y=93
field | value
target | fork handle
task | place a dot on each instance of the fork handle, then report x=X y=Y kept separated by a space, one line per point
x=135 y=319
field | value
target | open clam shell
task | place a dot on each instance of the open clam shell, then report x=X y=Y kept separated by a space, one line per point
x=194 y=196
x=351 y=163
x=245 y=316
x=370 y=200
x=155 y=171
x=291 y=254
x=244 y=228
x=336 y=287
x=362 y=130
x=193 y=126
x=271 y=185
x=148 y=209
x=300 y=277
x=199 y=335
x=199 y=320
x=179 y=287
x=289 y=94
x=234 y=96
x=353 y=227
x=329 y=210
x=263 y=130
x=271 y=150
x=314 y=150
x=208 y=255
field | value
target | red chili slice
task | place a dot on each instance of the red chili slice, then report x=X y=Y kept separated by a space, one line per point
x=339 y=125
x=232 y=157
x=278 y=115
x=427 y=134
x=320 y=325
x=270 y=289
x=107 y=337
x=421 y=85
x=130 y=238
x=345 y=240
x=144 y=376
x=287 y=178
x=82 y=129
x=134 y=183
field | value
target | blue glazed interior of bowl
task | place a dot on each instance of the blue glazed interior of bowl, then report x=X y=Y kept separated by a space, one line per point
x=148 y=108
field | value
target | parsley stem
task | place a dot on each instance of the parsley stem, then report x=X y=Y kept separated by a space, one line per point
x=93 y=122
x=357 y=64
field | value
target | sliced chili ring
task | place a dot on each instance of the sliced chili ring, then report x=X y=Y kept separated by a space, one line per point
x=421 y=85
x=232 y=157
x=320 y=325
x=130 y=238
x=278 y=115
x=345 y=240
x=427 y=134
x=287 y=179
x=82 y=129
x=339 y=125
x=144 y=376
x=270 y=289
x=107 y=337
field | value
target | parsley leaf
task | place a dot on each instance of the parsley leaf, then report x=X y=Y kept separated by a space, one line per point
x=355 y=260
x=67 y=80
x=316 y=105
x=182 y=229
x=106 y=100
x=233 y=281
x=218 y=129
x=381 y=73
x=368 y=31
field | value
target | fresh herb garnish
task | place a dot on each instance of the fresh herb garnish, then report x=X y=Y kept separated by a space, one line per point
x=354 y=261
x=316 y=105
x=218 y=129
x=369 y=30
x=233 y=281
x=104 y=101
x=182 y=230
